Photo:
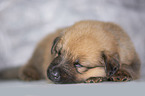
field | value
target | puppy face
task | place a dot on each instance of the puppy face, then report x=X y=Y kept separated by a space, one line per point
x=77 y=56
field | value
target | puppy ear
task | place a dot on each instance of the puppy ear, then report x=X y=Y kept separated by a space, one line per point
x=112 y=63
x=55 y=42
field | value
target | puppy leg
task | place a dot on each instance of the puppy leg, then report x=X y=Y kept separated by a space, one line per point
x=120 y=76
x=29 y=73
x=95 y=80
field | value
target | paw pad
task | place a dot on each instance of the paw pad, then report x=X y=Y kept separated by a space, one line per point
x=94 y=80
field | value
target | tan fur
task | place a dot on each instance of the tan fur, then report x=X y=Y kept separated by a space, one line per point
x=89 y=38
x=94 y=72
x=85 y=40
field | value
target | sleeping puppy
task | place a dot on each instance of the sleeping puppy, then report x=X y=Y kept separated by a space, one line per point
x=88 y=51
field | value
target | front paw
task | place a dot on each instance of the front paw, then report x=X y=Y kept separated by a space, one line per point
x=94 y=80
x=120 y=76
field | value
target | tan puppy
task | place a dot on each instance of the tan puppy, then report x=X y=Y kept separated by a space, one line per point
x=88 y=51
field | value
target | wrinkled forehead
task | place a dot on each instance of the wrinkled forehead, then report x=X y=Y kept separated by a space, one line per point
x=83 y=48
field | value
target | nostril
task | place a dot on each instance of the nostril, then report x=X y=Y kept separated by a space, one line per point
x=56 y=73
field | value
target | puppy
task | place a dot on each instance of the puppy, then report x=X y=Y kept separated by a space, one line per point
x=88 y=51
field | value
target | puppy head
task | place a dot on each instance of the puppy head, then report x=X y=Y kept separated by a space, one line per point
x=77 y=56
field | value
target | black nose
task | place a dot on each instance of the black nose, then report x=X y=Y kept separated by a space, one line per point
x=54 y=74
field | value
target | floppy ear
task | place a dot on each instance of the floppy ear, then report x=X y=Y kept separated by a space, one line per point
x=55 y=42
x=112 y=63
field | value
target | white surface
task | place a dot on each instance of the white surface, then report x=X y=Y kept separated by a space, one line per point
x=41 y=88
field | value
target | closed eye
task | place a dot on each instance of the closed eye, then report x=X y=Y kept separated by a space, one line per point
x=77 y=64
x=94 y=67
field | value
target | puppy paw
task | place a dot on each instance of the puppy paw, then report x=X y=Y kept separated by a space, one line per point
x=94 y=80
x=29 y=74
x=120 y=76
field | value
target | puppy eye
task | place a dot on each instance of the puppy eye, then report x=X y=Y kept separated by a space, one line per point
x=77 y=65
